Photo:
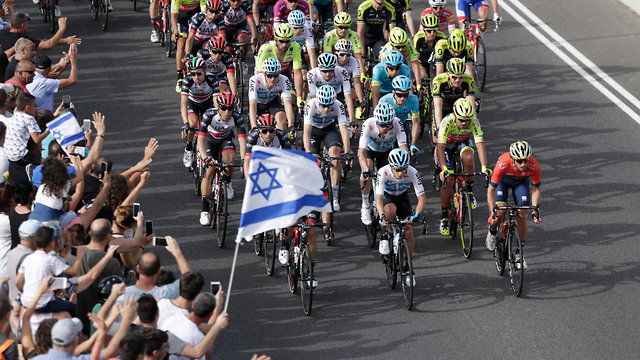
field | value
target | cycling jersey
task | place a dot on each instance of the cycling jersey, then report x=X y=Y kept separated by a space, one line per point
x=425 y=52
x=293 y=56
x=353 y=69
x=280 y=141
x=387 y=183
x=339 y=81
x=441 y=88
x=281 y=12
x=187 y=5
x=331 y=38
x=233 y=17
x=305 y=39
x=400 y=6
x=445 y=21
x=212 y=124
x=410 y=107
x=443 y=54
x=258 y=89
x=449 y=131
x=408 y=52
x=370 y=137
x=381 y=78
x=375 y=19
x=462 y=7
x=217 y=68
x=504 y=167
x=202 y=29
x=313 y=114
x=203 y=92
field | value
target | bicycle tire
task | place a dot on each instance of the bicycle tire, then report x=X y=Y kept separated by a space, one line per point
x=104 y=14
x=371 y=230
x=516 y=270
x=330 y=197
x=198 y=175
x=42 y=5
x=213 y=202
x=51 y=7
x=453 y=222
x=169 y=43
x=239 y=82
x=391 y=269
x=306 y=279
x=135 y=5
x=269 y=242
x=257 y=244
x=292 y=270
x=499 y=253
x=466 y=226
x=406 y=266
x=480 y=63
x=222 y=215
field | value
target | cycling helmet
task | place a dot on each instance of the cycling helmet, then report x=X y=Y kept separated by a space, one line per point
x=437 y=2
x=326 y=95
x=266 y=121
x=429 y=21
x=196 y=63
x=214 y=4
x=455 y=66
x=384 y=113
x=393 y=58
x=343 y=45
x=226 y=98
x=283 y=32
x=327 y=61
x=401 y=83
x=216 y=42
x=463 y=109
x=457 y=42
x=398 y=37
x=106 y=283
x=296 y=18
x=271 y=66
x=520 y=150
x=398 y=158
x=342 y=19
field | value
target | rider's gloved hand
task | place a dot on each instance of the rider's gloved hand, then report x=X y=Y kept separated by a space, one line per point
x=497 y=18
x=414 y=149
x=413 y=217
x=207 y=161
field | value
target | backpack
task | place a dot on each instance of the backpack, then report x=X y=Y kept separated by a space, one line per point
x=5 y=346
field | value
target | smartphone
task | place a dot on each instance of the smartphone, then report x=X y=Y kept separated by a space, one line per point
x=74 y=251
x=159 y=241
x=86 y=125
x=66 y=101
x=136 y=208
x=79 y=150
x=58 y=283
x=103 y=169
x=148 y=226
x=215 y=286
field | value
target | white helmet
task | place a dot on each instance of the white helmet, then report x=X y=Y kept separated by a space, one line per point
x=520 y=150
x=438 y=2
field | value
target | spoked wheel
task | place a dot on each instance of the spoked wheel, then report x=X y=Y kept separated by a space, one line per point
x=480 y=63
x=240 y=83
x=499 y=253
x=269 y=242
x=330 y=192
x=371 y=230
x=169 y=43
x=391 y=269
x=95 y=8
x=466 y=227
x=52 y=15
x=406 y=267
x=516 y=270
x=104 y=14
x=306 y=279
x=453 y=223
x=428 y=126
x=134 y=5
x=43 y=9
x=221 y=214
x=292 y=271
x=257 y=244
x=198 y=175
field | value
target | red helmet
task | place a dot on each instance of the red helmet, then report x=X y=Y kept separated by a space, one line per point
x=266 y=121
x=214 y=4
x=216 y=42
x=226 y=98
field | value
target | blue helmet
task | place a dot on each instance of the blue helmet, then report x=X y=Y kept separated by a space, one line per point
x=384 y=113
x=326 y=95
x=296 y=18
x=401 y=83
x=398 y=158
x=327 y=61
x=393 y=58
x=271 y=65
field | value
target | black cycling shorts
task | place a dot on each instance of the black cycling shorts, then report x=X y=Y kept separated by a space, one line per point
x=379 y=158
x=215 y=147
x=329 y=135
x=232 y=33
x=402 y=203
x=199 y=108
x=325 y=12
x=272 y=107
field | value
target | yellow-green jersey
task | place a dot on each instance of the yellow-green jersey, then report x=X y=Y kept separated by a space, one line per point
x=449 y=131
x=187 y=5
x=331 y=38
x=408 y=52
x=442 y=53
x=421 y=45
x=293 y=55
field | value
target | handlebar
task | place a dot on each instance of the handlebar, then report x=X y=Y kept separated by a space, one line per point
x=307 y=225
x=509 y=208
x=239 y=44
x=447 y=174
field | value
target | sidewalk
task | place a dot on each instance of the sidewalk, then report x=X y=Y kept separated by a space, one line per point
x=633 y=5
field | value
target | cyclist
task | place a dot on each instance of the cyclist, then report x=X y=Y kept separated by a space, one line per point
x=282 y=9
x=405 y=106
x=379 y=134
x=215 y=143
x=342 y=24
x=202 y=26
x=384 y=72
x=181 y=12
x=303 y=36
x=454 y=138
x=288 y=53
x=198 y=91
x=283 y=254
x=445 y=17
x=481 y=7
x=425 y=44
x=343 y=50
x=372 y=17
x=265 y=134
x=327 y=73
x=262 y=9
x=218 y=62
x=404 y=20
x=515 y=171
x=325 y=122
x=392 y=197
x=265 y=89
x=456 y=46
x=399 y=41
x=323 y=10
x=238 y=24
x=447 y=88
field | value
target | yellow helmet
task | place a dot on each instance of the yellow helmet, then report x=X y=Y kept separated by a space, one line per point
x=283 y=32
x=342 y=19
x=463 y=109
x=429 y=21
x=455 y=66
x=398 y=37
x=457 y=41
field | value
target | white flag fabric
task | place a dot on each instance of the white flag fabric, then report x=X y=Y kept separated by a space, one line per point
x=66 y=130
x=282 y=186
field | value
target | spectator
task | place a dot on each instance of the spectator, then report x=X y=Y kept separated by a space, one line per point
x=4 y=162
x=24 y=194
x=4 y=60
x=52 y=194
x=25 y=50
x=8 y=347
x=66 y=335
x=12 y=98
x=55 y=151
x=6 y=202
x=25 y=72
x=20 y=23
x=165 y=277
x=156 y=344
x=132 y=347
x=43 y=88
x=191 y=284
x=132 y=244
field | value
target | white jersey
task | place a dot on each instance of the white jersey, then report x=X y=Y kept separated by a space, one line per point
x=353 y=68
x=258 y=89
x=313 y=114
x=305 y=39
x=371 y=139
x=339 y=81
x=387 y=182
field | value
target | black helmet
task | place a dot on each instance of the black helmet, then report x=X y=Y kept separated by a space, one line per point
x=104 y=285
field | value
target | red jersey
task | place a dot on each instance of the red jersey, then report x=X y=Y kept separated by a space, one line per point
x=504 y=166
x=446 y=21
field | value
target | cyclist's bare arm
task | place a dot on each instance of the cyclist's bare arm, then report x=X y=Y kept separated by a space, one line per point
x=536 y=193
x=306 y=137
x=482 y=154
x=288 y=109
x=360 y=30
x=346 y=141
x=253 y=112
x=410 y=25
x=189 y=44
x=256 y=11
x=437 y=111
x=184 y=101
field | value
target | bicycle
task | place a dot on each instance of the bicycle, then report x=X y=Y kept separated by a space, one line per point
x=426 y=113
x=325 y=169
x=265 y=31
x=509 y=247
x=240 y=64
x=472 y=30
x=399 y=261
x=100 y=8
x=300 y=266
x=371 y=230
x=265 y=245
x=320 y=30
x=218 y=201
x=47 y=7
x=164 y=25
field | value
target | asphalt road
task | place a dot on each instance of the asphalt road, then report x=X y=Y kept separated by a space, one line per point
x=582 y=283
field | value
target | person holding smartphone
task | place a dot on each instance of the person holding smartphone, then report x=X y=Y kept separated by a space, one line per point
x=44 y=88
x=129 y=234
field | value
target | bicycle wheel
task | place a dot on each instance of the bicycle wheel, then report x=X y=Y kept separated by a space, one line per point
x=330 y=196
x=104 y=14
x=269 y=242
x=480 y=63
x=52 y=15
x=516 y=270
x=392 y=269
x=239 y=81
x=406 y=277
x=371 y=230
x=499 y=253
x=292 y=270
x=257 y=244
x=306 y=279
x=222 y=215
x=453 y=221
x=169 y=43
x=43 y=7
x=198 y=175
x=466 y=226
x=134 y=5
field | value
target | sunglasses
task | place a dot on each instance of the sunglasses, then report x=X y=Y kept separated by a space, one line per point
x=401 y=95
x=464 y=121
x=163 y=348
x=430 y=31
x=400 y=169
x=267 y=131
x=327 y=71
x=28 y=71
x=342 y=27
x=456 y=77
x=225 y=107
x=399 y=47
x=217 y=52
x=284 y=41
x=326 y=106
x=389 y=125
x=272 y=76
x=437 y=7
x=393 y=68
x=292 y=1
x=344 y=54
x=213 y=11
x=297 y=27
x=197 y=73
x=522 y=161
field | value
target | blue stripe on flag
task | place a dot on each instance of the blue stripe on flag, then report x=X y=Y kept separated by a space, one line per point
x=281 y=209
x=258 y=154
x=302 y=153
x=72 y=139
x=60 y=120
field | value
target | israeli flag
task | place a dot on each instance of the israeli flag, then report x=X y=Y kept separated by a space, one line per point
x=282 y=186
x=66 y=130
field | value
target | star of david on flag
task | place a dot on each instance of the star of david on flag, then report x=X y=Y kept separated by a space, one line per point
x=66 y=130
x=282 y=186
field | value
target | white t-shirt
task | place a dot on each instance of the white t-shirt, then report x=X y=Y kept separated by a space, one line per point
x=184 y=329
x=50 y=200
x=5 y=243
x=166 y=309
x=36 y=267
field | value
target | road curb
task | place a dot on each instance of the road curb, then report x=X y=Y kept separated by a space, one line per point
x=633 y=5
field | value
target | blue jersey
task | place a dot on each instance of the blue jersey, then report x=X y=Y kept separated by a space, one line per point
x=381 y=78
x=411 y=107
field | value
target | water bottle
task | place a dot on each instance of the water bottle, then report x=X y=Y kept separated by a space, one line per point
x=296 y=253
x=396 y=242
x=456 y=198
